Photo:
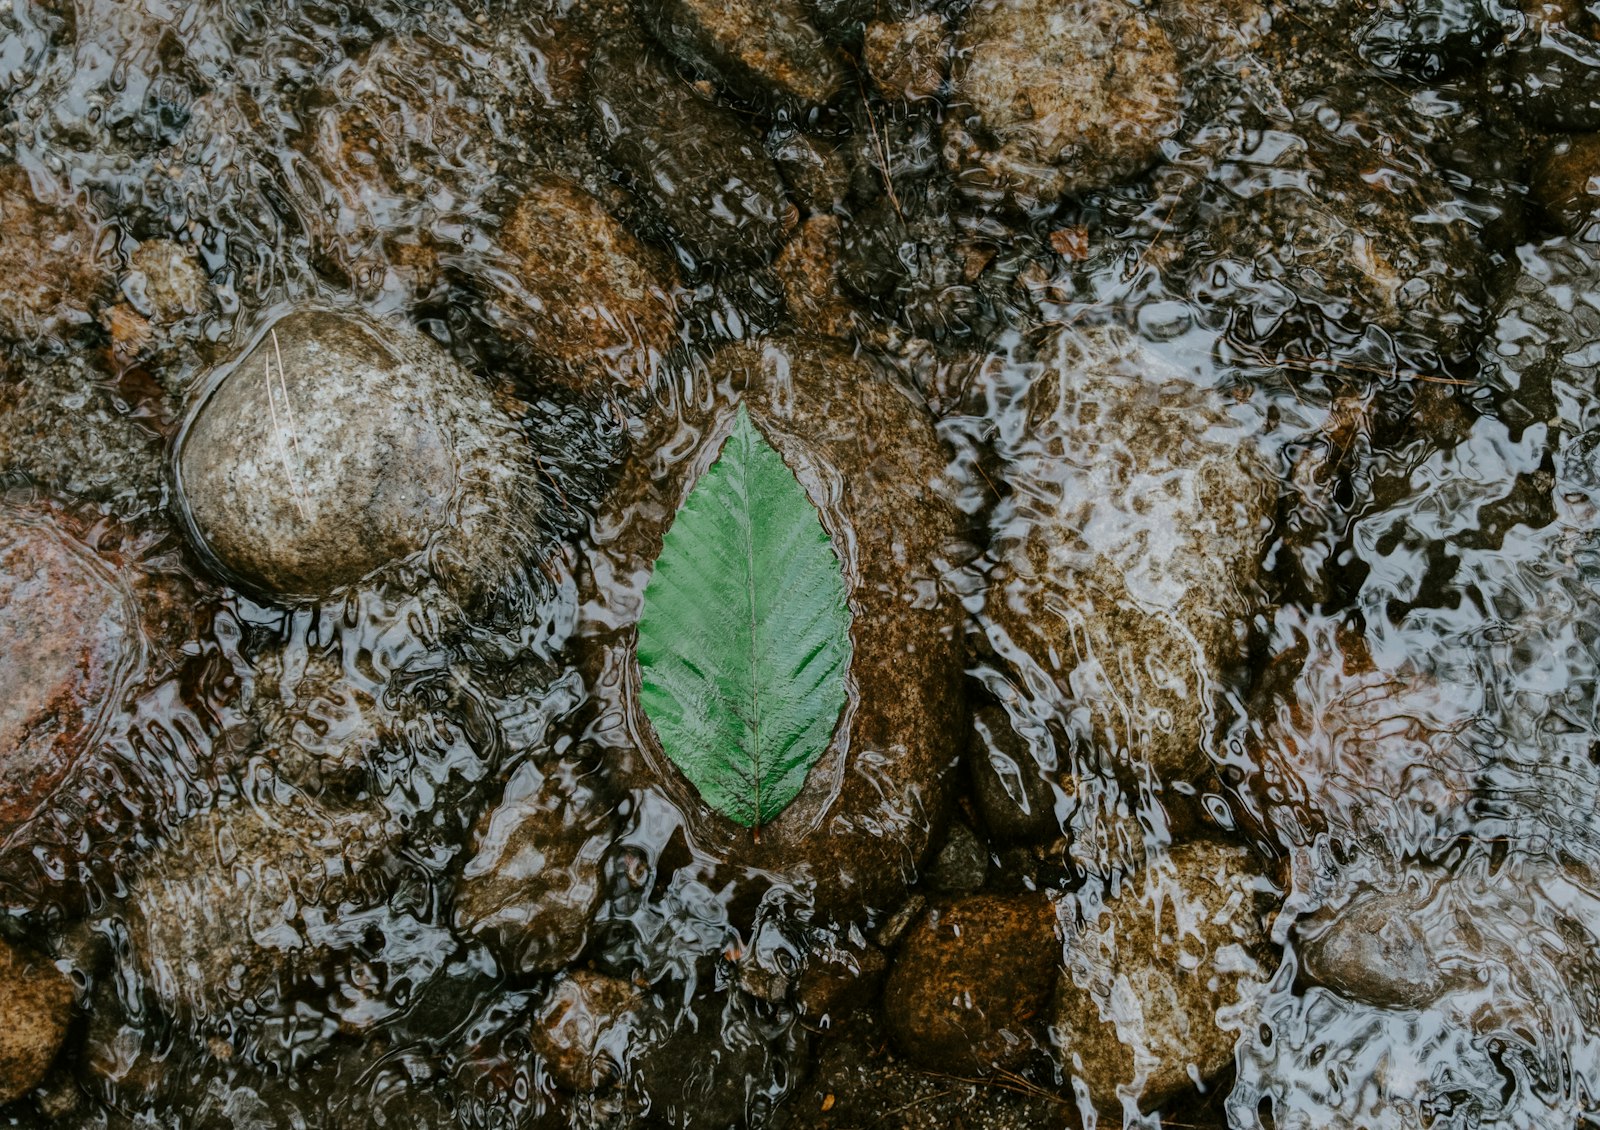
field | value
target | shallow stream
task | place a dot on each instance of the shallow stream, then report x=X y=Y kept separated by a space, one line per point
x=1163 y=507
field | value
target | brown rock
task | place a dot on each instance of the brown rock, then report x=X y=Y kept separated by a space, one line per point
x=1015 y=796
x=808 y=269
x=243 y=904
x=1052 y=98
x=66 y=425
x=695 y=163
x=758 y=50
x=51 y=276
x=1357 y=750
x=814 y=168
x=589 y=299
x=1376 y=950
x=532 y=884
x=1565 y=180
x=865 y=450
x=589 y=1028
x=1128 y=554
x=35 y=1006
x=907 y=59
x=968 y=990
x=71 y=636
x=337 y=445
x=837 y=979
x=1136 y=1007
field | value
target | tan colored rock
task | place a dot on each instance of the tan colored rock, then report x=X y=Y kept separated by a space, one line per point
x=907 y=59
x=809 y=270
x=243 y=904
x=35 y=1007
x=71 y=637
x=338 y=445
x=1051 y=98
x=1128 y=554
x=1136 y=1007
x=165 y=283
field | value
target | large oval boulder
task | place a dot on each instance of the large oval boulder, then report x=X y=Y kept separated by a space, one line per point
x=863 y=450
x=337 y=445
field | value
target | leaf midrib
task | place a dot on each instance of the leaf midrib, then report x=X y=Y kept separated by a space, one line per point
x=757 y=749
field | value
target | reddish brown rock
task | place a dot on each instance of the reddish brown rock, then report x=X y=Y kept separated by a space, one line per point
x=969 y=987
x=584 y=294
x=51 y=277
x=70 y=634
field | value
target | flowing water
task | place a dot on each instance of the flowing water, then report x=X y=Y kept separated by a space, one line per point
x=1218 y=496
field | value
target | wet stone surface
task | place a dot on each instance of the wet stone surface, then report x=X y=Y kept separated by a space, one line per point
x=1201 y=404
x=331 y=494
x=969 y=984
x=853 y=838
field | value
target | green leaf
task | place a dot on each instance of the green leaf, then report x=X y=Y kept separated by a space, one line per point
x=745 y=633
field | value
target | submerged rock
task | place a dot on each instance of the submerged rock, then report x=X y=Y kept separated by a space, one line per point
x=808 y=268
x=35 y=1008
x=338 y=445
x=1127 y=557
x=969 y=986
x=51 y=275
x=1555 y=66
x=244 y=905
x=1298 y=250
x=1376 y=950
x=532 y=884
x=586 y=296
x=907 y=58
x=1053 y=98
x=64 y=425
x=70 y=633
x=589 y=1029
x=703 y=171
x=165 y=283
x=1137 y=1007
x=865 y=451
x=1565 y=181
x=760 y=51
